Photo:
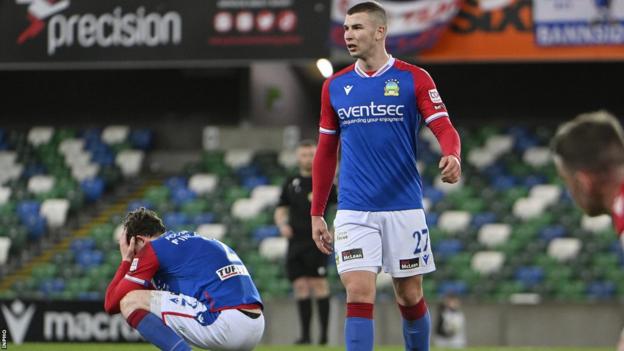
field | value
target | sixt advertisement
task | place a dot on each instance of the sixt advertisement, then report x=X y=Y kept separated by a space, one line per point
x=163 y=32
x=63 y=321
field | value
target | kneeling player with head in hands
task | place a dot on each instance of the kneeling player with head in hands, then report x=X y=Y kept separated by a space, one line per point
x=181 y=289
x=589 y=155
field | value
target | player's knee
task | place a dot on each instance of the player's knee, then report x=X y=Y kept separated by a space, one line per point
x=131 y=302
x=360 y=293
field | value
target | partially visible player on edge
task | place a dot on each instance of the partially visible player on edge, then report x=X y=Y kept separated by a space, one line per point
x=205 y=296
x=589 y=156
x=374 y=109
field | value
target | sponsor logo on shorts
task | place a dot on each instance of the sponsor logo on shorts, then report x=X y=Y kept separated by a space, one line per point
x=134 y=265
x=230 y=271
x=322 y=271
x=426 y=259
x=409 y=263
x=352 y=254
x=341 y=236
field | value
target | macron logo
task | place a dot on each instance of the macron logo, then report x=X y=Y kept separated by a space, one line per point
x=348 y=88
x=18 y=319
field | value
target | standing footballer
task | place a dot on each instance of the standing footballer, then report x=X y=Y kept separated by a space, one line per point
x=374 y=108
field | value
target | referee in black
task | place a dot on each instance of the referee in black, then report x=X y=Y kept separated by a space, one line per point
x=305 y=264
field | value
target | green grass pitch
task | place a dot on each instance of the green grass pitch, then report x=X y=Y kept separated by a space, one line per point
x=145 y=347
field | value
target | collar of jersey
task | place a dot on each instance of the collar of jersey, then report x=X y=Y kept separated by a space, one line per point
x=360 y=72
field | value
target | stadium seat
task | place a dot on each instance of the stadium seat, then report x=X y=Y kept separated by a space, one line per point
x=596 y=224
x=130 y=162
x=274 y=248
x=264 y=232
x=268 y=195
x=40 y=135
x=564 y=249
x=71 y=146
x=528 y=207
x=288 y=159
x=237 y=158
x=78 y=159
x=552 y=232
x=115 y=134
x=182 y=195
x=84 y=172
x=537 y=156
x=40 y=184
x=548 y=193
x=93 y=188
x=212 y=231
x=447 y=248
x=481 y=157
x=494 y=234
x=454 y=221
x=5 y=195
x=529 y=276
x=246 y=208
x=141 y=139
x=500 y=144
x=55 y=212
x=203 y=183
x=384 y=280
x=487 y=262
x=5 y=246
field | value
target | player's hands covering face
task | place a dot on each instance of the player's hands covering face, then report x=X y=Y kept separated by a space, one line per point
x=321 y=235
x=127 y=250
x=450 y=168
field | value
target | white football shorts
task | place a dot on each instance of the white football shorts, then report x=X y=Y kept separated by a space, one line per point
x=397 y=241
x=232 y=330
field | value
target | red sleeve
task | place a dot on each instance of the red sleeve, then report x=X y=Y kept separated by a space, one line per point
x=447 y=137
x=323 y=172
x=428 y=99
x=131 y=276
x=329 y=120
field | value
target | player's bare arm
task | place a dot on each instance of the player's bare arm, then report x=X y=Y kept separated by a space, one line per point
x=321 y=235
x=450 y=168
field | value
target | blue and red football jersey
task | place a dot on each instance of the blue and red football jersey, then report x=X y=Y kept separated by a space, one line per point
x=206 y=269
x=378 y=118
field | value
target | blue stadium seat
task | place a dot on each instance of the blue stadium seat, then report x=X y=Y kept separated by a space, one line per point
x=533 y=180
x=265 y=232
x=141 y=138
x=81 y=245
x=480 y=219
x=27 y=208
x=36 y=226
x=51 y=286
x=247 y=171
x=204 y=218
x=93 y=188
x=176 y=182
x=89 y=258
x=447 y=248
x=456 y=287
x=175 y=219
x=252 y=182
x=434 y=195
x=552 y=232
x=601 y=290
x=182 y=195
x=33 y=169
x=504 y=182
x=529 y=276
x=432 y=219
x=136 y=204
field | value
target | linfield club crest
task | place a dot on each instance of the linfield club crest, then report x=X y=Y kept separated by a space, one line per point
x=391 y=88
